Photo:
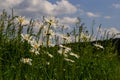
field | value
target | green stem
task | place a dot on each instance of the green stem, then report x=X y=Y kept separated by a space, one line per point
x=48 y=36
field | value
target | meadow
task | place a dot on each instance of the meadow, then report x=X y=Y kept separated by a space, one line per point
x=49 y=53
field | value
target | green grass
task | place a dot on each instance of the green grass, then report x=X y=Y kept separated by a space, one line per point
x=92 y=64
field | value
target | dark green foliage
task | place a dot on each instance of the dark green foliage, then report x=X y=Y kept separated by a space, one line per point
x=93 y=63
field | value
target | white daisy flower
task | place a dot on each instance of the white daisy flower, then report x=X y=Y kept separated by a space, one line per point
x=84 y=36
x=75 y=55
x=50 y=55
x=21 y=20
x=69 y=60
x=51 y=20
x=64 y=50
x=26 y=61
x=32 y=50
x=26 y=37
x=98 y=46
x=35 y=44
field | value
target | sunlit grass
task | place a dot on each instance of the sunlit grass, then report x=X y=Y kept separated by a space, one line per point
x=46 y=54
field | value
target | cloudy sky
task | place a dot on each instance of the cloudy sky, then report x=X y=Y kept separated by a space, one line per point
x=105 y=12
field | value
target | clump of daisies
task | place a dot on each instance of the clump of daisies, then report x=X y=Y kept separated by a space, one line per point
x=48 y=26
x=66 y=52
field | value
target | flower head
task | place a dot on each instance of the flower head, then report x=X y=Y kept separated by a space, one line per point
x=64 y=37
x=75 y=55
x=50 y=55
x=64 y=50
x=21 y=20
x=36 y=52
x=69 y=60
x=98 y=46
x=51 y=20
x=35 y=44
x=84 y=36
x=50 y=33
x=26 y=37
x=26 y=61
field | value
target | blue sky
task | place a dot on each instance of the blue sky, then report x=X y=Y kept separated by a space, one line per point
x=105 y=12
x=109 y=15
x=103 y=8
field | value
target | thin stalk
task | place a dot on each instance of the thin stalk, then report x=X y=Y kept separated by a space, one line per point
x=48 y=36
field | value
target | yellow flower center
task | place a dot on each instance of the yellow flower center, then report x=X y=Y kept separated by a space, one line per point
x=21 y=19
x=51 y=21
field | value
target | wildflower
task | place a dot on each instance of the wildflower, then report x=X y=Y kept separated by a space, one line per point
x=26 y=37
x=21 y=20
x=50 y=55
x=84 y=36
x=50 y=32
x=75 y=55
x=32 y=50
x=60 y=51
x=61 y=46
x=35 y=44
x=64 y=38
x=26 y=61
x=98 y=46
x=48 y=63
x=67 y=49
x=64 y=50
x=51 y=20
x=69 y=60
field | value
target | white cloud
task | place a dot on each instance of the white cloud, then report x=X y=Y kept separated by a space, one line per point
x=116 y=5
x=9 y=3
x=39 y=7
x=114 y=31
x=68 y=20
x=64 y=7
x=90 y=14
x=107 y=17
x=111 y=31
